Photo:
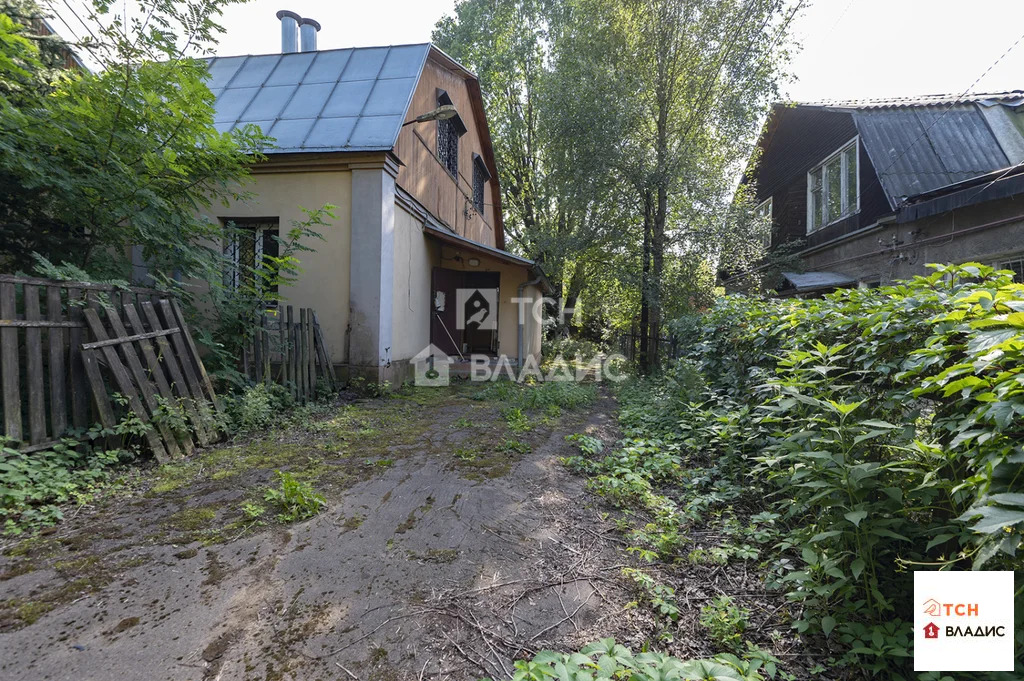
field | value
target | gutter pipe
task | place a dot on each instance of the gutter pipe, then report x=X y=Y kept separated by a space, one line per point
x=522 y=322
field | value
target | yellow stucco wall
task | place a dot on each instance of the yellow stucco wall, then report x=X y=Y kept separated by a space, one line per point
x=324 y=284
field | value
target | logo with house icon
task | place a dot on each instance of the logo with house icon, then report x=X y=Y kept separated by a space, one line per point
x=931 y=630
x=932 y=607
x=431 y=366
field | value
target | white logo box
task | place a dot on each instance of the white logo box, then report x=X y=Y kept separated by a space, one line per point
x=973 y=614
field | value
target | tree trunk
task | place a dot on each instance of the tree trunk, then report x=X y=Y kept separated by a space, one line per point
x=644 y=360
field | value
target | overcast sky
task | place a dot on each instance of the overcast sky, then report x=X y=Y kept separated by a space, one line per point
x=850 y=48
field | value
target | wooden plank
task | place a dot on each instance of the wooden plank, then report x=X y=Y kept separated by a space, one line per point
x=80 y=385
x=85 y=285
x=121 y=340
x=293 y=377
x=257 y=354
x=178 y=381
x=182 y=355
x=156 y=371
x=9 y=366
x=100 y=396
x=266 y=349
x=195 y=353
x=144 y=382
x=282 y=339
x=124 y=383
x=40 y=323
x=36 y=381
x=324 y=354
x=303 y=356
x=311 y=353
x=58 y=377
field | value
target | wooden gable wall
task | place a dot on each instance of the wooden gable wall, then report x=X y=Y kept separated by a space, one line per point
x=423 y=175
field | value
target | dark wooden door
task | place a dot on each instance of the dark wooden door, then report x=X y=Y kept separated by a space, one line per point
x=443 y=333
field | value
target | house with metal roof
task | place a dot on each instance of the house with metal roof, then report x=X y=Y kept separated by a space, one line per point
x=866 y=192
x=397 y=139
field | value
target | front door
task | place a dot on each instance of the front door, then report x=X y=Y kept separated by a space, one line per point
x=443 y=334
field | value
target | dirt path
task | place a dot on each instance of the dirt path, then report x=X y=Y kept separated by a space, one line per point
x=446 y=551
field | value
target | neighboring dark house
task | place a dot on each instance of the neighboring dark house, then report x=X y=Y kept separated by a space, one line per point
x=867 y=192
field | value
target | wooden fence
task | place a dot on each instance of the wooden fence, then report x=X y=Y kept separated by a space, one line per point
x=289 y=349
x=65 y=348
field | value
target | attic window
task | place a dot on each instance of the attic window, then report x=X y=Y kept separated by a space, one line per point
x=448 y=133
x=833 y=188
x=763 y=214
x=480 y=177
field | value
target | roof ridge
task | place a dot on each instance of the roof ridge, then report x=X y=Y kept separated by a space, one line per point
x=937 y=99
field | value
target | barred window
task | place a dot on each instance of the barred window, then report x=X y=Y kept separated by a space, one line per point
x=480 y=177
x=448 y=145
x=449 y=130
x=249 y=243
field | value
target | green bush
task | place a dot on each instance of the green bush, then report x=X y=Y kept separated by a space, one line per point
x=296 y=500
x=257 y=407
x=33 y=486
x=886 y=427
x=607 y=659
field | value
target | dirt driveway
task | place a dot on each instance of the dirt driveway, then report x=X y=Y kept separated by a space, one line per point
x=452 y=542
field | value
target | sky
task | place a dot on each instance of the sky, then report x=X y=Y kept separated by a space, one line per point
x=851 y=49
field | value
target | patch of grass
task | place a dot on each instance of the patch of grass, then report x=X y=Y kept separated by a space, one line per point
x=512 y=446
x=563 y=394
x=193 y=519
x=517 y=421
x=353 y=522
x=467 y=454
x=441 y=556
x=461 y=423
x=253 y=511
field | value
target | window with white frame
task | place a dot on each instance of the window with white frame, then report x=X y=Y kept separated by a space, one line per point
x=248 y=243
x=833 y=189
x=1015 y=264
x=763 y=215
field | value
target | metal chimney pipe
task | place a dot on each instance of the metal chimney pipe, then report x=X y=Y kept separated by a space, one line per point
x=289 y=31
x=308 y=29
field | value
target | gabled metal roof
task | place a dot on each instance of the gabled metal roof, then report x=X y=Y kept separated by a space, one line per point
x=351 y=99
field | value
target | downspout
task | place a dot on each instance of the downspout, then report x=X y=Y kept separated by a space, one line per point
x=522 y=322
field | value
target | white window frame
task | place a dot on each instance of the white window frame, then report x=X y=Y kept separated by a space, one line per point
x=846 y=211
x=766 y=239
x=1006 y=262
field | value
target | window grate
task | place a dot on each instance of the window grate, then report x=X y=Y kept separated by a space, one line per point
x=448 y=145
x=479 y=180
x=246 y=249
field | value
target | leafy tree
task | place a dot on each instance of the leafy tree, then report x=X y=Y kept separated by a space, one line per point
x=92 y=164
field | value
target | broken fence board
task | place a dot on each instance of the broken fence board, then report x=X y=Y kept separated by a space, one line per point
x=56 y=338
x=178 y=381
x=124 y=383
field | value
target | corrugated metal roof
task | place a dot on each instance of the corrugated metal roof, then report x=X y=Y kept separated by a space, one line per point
x=1009 y=97
x=916 y=149
x=813 y=281
x=332 y=100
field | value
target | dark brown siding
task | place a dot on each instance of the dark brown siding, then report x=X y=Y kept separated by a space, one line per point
x=800 y=140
